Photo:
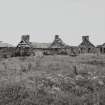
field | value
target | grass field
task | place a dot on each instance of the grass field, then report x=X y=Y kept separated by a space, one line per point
x=53 y=80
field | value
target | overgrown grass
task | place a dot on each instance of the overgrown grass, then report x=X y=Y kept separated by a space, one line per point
x=53 y=80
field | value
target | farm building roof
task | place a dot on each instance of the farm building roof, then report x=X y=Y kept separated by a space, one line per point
x=2 y=44
x=40 y=45
x=103 y=45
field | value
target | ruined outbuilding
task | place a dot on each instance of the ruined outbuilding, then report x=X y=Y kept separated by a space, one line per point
x=6 y=49
x=24 y=47
x=58 y=43
x=101 y=48
x=58 y=46
x=86 y=46
x=25 y=42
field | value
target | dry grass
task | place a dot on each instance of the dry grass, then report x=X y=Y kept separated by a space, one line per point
x=53 y=80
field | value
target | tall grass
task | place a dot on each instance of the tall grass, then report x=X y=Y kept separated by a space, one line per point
x=52 y=80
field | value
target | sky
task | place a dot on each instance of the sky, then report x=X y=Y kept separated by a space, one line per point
x=42 y=19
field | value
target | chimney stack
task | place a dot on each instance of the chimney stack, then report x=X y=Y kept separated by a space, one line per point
x=26 y=38
x=85 y=38
x=56 y=36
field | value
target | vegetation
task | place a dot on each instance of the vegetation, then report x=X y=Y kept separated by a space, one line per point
x=53 y=80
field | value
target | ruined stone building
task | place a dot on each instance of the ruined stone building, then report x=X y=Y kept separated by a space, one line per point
x=40 y=48
x=6 y=49
x=101 y=48
x=25 y=42
x=56 y=47
x=86 y=46
x=59 y=47
x=57 y=43
x=24 y=47
x=5 y=45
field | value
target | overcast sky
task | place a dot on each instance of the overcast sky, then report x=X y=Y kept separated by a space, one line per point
x=42 y=19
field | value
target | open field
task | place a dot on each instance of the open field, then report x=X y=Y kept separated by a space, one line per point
x=53 y=80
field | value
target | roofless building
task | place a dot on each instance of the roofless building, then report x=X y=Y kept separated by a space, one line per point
x=57 y=43
x=101 y=48
x=56 y=47
x=25 y=42
x=24 y=47
x=86 y=46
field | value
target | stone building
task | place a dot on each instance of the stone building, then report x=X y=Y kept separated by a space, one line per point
x=86 y=46
x=5 y=45
x=24 y=47
x=57 y=43
x=58 y=46
x=101 y=48
x=40 y=48
x=6 y=49
x=61 y=48
x=25 y=42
